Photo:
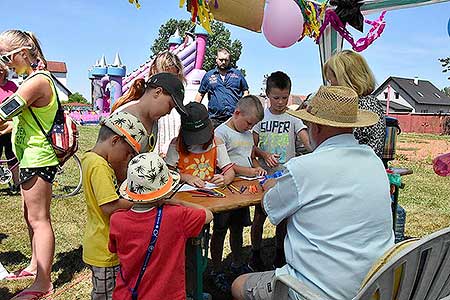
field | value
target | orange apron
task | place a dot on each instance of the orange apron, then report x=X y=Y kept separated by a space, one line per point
x=202 y=165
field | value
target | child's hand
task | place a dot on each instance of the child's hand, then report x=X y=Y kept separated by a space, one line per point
x=259 y=171
x=194 y=181
x=218 y=179
x=272 y=159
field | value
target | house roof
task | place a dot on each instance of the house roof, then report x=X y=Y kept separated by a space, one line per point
x=56 y=66
x=423 y=93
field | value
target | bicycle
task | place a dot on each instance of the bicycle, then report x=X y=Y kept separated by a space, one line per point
x=67 y=181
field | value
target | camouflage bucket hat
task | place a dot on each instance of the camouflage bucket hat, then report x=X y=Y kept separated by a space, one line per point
x=129 y=127
x=148 y=179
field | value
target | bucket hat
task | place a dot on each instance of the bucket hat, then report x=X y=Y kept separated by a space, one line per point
x=148 y=179
x=130 y=127
x=336 y=106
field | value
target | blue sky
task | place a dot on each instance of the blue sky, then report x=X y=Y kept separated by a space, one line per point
x=81 y=31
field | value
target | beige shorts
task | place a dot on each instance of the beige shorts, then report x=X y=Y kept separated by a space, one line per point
x=259 y=286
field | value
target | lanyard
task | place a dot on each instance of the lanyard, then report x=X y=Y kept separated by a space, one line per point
x=151 y=247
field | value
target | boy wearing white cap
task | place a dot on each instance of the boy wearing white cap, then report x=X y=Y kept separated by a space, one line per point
x=150 y=238
x=121 y=137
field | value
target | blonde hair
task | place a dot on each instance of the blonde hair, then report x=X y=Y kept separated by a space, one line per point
x=14 y=39
x=351 y=70
x=162 y=62
x=251 y=104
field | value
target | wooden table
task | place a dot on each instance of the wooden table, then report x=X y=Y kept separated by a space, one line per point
x=199 y=245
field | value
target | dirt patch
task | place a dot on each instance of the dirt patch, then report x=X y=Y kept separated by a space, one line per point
x=420 y=150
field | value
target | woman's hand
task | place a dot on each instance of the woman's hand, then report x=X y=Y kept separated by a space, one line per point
x=218 y=179
x=194 y=180
x=5 y=127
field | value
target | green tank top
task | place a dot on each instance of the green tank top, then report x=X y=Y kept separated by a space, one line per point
x=30 y=145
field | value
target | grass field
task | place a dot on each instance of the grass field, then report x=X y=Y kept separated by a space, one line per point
x=425 y=198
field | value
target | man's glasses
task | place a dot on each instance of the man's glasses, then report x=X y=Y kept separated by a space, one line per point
x=7 y=57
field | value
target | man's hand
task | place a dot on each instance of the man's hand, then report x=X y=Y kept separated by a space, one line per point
x=271 y=159
x=270 y=183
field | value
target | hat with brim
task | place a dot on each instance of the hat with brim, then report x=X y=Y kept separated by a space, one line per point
x=148 y=179
x=336 y=106
x=196 y=127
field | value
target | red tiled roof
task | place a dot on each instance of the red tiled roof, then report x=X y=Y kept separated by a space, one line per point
x=56 y=66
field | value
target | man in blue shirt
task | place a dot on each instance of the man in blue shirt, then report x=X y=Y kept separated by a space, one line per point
x=336 y=201
x=225 y=86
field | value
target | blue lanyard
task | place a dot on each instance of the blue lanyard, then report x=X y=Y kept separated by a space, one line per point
x=151 y=247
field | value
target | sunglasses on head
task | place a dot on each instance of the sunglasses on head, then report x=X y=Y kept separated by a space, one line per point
x=7 y=57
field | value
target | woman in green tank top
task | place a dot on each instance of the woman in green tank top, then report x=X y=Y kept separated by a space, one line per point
x=21 y=51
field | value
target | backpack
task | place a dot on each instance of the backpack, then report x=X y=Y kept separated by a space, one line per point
x=63 y=135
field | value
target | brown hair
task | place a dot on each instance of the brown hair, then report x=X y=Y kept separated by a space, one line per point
x=183 y=148
x=162 y=62
x=251 y=104
x=351 y=70
x=14 y=39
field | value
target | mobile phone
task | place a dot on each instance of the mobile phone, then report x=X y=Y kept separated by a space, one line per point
x=11 y=106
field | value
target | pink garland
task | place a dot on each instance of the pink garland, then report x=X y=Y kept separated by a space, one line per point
x=361 y=44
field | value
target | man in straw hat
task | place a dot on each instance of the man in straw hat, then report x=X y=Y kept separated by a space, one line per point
x=336 y=200
x=152 y=232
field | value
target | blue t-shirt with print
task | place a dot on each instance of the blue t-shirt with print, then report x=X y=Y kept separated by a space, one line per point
x=223 y=94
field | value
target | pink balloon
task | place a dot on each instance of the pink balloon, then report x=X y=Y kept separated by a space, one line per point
x=283 y=23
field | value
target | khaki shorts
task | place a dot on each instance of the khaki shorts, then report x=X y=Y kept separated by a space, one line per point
x=259 y=286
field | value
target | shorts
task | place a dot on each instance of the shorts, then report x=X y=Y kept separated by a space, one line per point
x=239 y=218
x=103 y=282
x=259 y=286
x=46 y=173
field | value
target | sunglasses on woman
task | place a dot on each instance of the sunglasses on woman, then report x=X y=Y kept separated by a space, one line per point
x=8 y=57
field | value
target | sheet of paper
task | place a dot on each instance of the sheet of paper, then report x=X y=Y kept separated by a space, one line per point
x=186 y=187
x=250 y=178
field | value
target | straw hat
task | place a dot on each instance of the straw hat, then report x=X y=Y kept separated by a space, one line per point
x=131 y=128
x=336 y=106
x=148 y=179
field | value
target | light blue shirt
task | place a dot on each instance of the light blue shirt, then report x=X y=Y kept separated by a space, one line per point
x=338 y=207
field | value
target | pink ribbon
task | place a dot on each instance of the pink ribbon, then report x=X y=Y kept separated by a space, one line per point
x=361 y=44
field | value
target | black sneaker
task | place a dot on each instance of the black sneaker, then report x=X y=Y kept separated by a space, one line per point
x=242 y=269
x=221 y=282
x=256 y=264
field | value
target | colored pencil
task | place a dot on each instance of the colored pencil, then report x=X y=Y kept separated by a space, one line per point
x=228 y=187
x=234 y=188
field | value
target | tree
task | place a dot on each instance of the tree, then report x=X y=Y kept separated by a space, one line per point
x=445 y=64
x=77 y=97
x=446 y=90
x=220 y=38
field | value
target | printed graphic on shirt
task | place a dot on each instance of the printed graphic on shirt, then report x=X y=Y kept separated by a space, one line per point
x=274 y=138
x=20 y=135
x=202 y=168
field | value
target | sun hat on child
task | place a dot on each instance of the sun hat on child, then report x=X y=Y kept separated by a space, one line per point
x=336 y=106
x=196 y=127
x=148 y=179
x=129 y=127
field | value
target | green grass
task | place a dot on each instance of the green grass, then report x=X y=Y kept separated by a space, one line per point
x=425 y=197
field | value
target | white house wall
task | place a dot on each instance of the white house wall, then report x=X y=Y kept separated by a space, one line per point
x=400 y=100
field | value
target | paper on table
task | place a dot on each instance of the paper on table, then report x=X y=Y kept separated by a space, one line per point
x=186 y=187
x=250 y=178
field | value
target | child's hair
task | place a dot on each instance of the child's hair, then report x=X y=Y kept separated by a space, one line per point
x=278 y=80
x=351 y=70
x=14 y=39
x=105 y=133
x=162 y=62
x=183 y=148
x=251 y=104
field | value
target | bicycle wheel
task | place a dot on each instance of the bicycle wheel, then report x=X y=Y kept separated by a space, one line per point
x=67 y=181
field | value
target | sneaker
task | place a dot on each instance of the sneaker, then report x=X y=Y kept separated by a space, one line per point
x=256 y=264
x=221 y=282
x=242 y=269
